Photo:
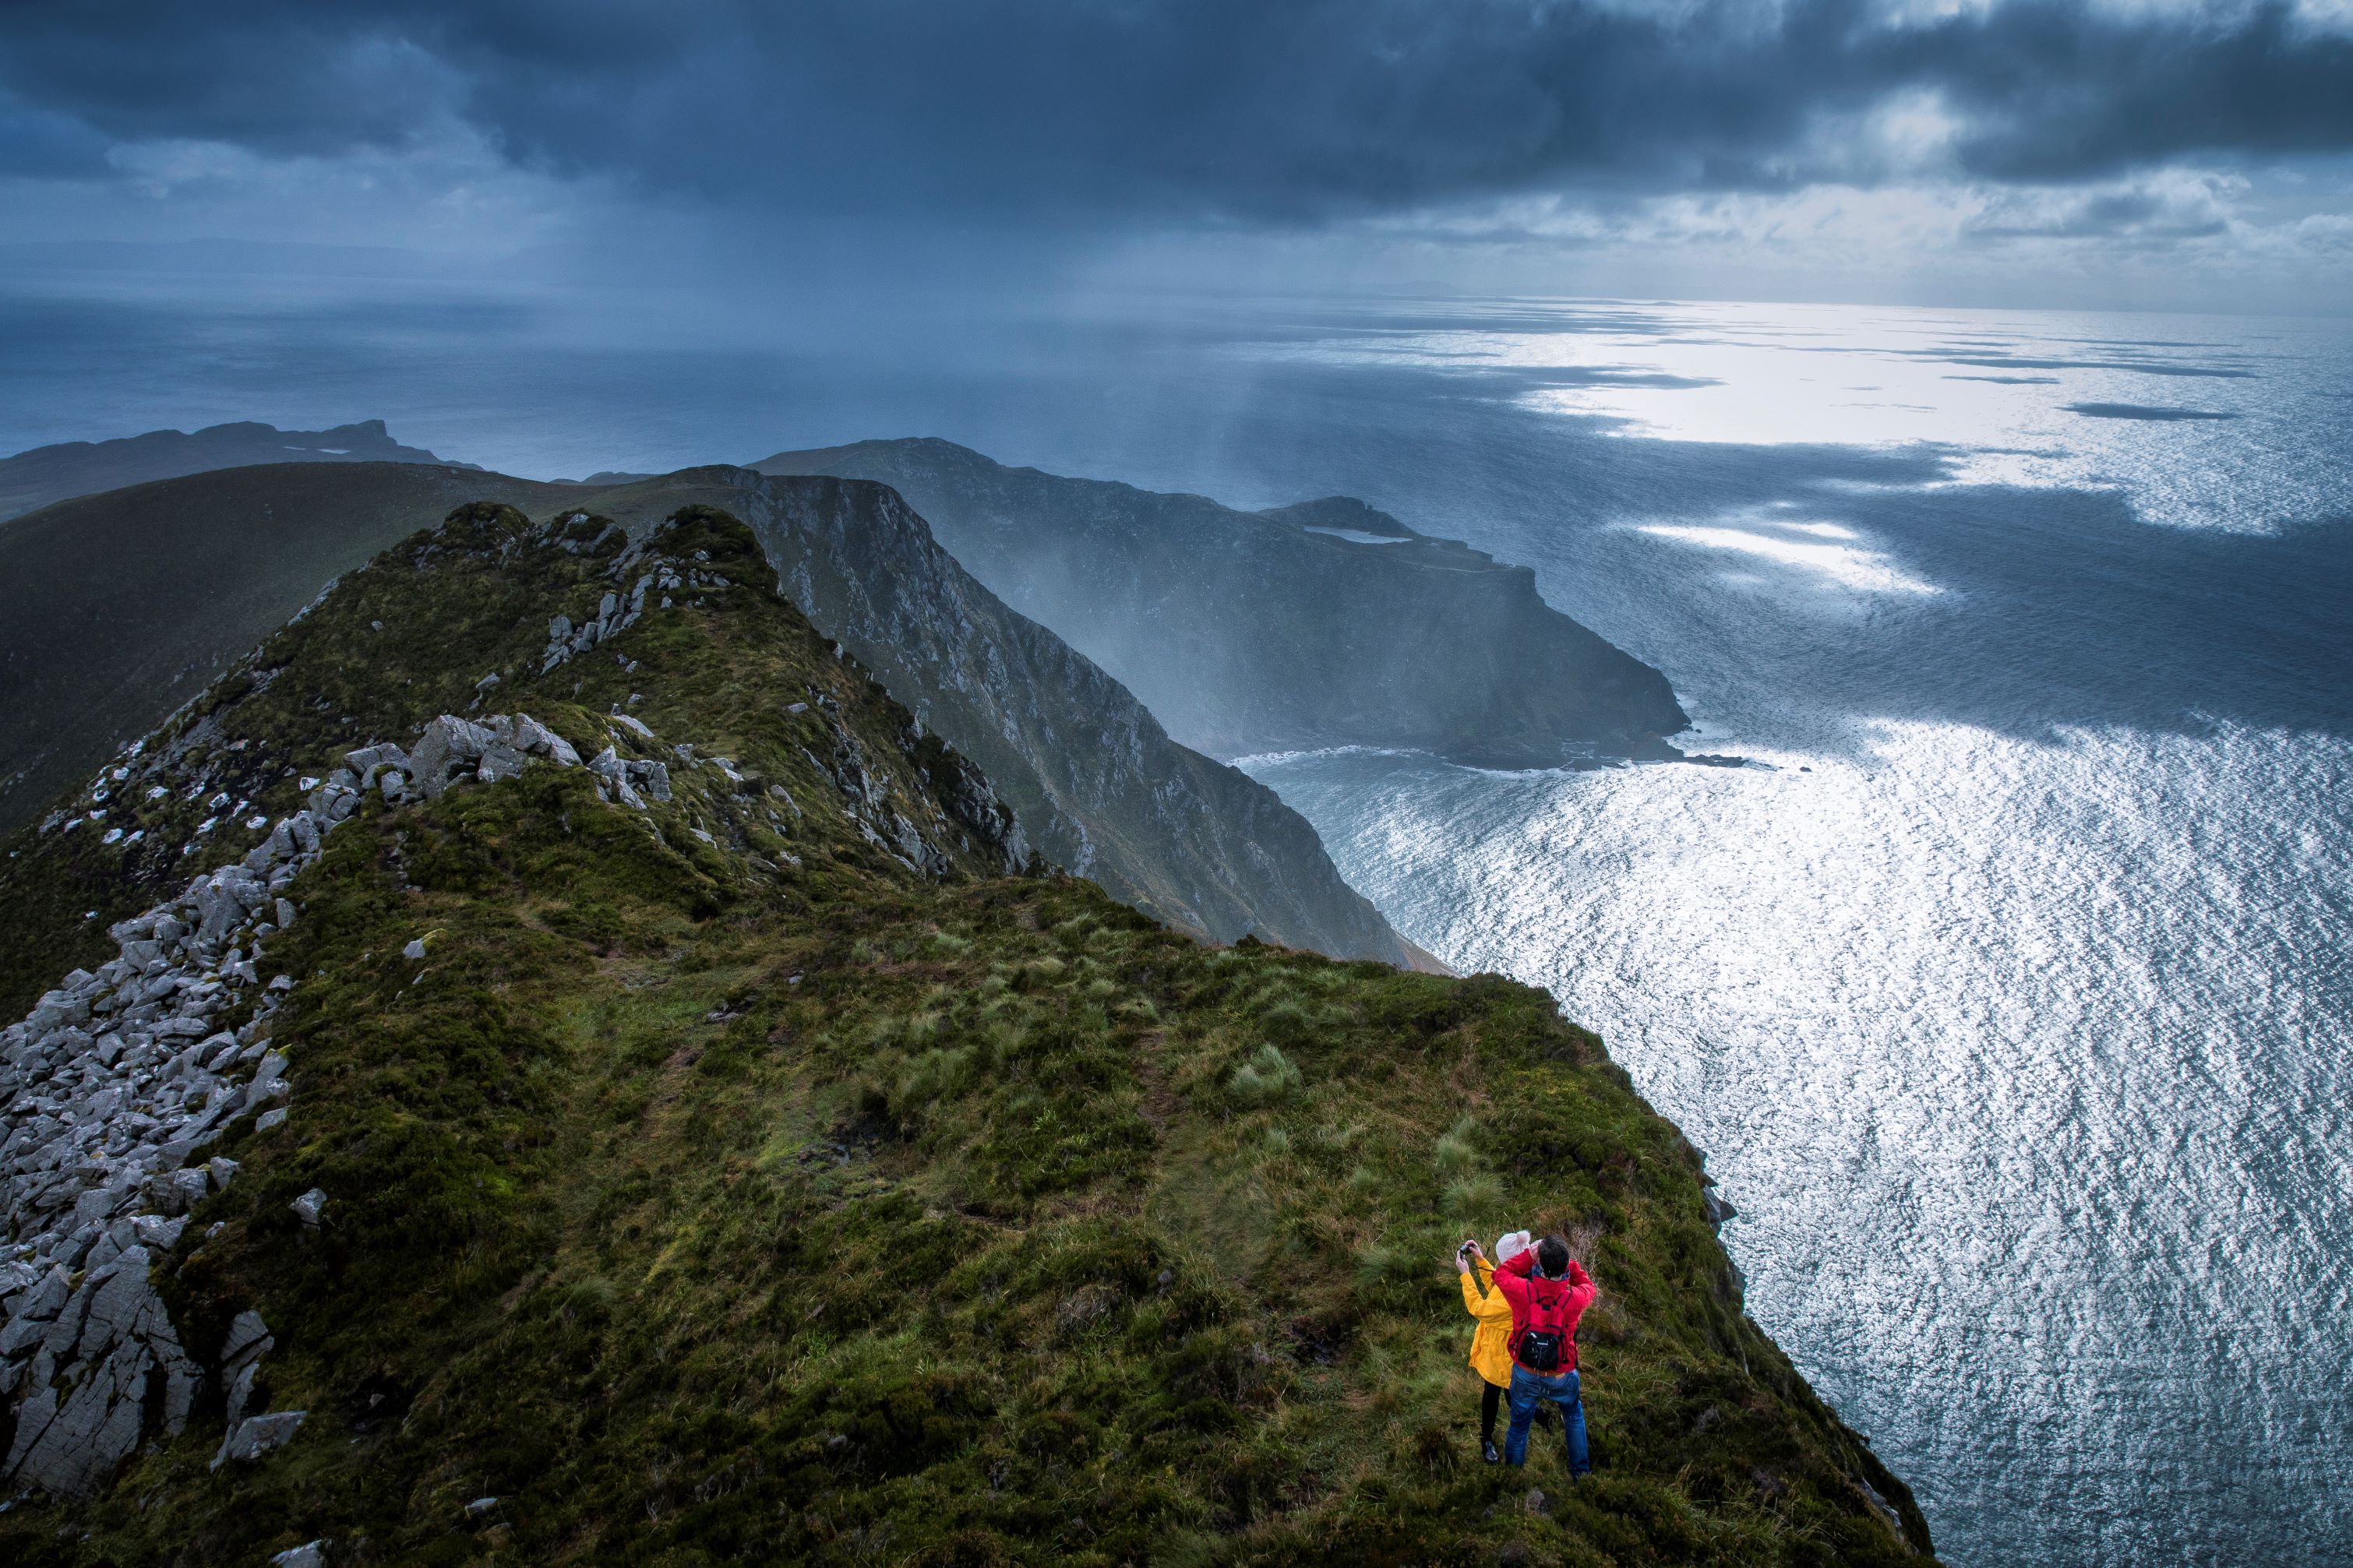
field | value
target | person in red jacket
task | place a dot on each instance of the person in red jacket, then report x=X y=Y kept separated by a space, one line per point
x=1550 y=1292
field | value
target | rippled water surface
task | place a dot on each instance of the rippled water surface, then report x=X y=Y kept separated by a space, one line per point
x=2007 y=992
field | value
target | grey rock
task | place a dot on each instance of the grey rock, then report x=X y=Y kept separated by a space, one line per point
x=310 y=1205
x=241 y=1392
x=114 y=1307
x=157 y=1234
x=73 y=1249
x=65 y=1329
x=21 y=1335
x=498 y=762
x=96 y=1429
x=186 y=1189
x=448 y=743
x=32 y=1418
x=536 y=737
x=653 y=778
x=94 y=1206
x=309 y=1554
x=248 y=1336
x=270 y=1121
x=258 y=1436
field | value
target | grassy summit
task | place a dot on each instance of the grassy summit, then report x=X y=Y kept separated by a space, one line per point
x=727 y=1183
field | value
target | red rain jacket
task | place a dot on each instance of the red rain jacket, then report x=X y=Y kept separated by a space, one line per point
x=1523 y=1289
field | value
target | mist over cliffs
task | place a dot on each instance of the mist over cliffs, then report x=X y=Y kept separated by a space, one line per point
x=115 y=608
x=1323 y=624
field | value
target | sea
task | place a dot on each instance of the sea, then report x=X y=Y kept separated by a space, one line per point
x=2006 y=988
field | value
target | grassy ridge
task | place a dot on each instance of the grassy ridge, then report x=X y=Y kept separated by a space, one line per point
x=750 y=1197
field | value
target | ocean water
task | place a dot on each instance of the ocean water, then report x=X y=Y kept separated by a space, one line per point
x=2008 y=989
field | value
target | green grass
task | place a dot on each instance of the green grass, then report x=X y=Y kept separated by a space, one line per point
x=705 y=1209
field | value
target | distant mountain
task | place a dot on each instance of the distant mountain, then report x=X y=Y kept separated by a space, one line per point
x=1323 y=624
x=115 y=608
x=46 y=474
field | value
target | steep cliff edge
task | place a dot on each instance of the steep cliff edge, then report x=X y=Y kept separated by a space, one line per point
x=115 y=608
x=622 y=1112
x=1099 y=787
x=1318 y=625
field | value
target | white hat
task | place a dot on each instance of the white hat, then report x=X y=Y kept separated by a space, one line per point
x=1509 y=1245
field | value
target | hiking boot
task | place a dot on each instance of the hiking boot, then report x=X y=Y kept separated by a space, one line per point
x=1488 y=1452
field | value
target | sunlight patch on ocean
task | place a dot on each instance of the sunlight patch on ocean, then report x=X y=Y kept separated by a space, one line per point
x=1843 y=564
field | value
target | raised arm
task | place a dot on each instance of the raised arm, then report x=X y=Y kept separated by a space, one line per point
x=1581 y=1292
x=1481 y=1299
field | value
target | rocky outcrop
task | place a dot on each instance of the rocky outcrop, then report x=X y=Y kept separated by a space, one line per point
x=111 y=1090
x=1325 y=624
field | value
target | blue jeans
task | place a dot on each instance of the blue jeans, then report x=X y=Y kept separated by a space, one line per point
x=1528 y=1389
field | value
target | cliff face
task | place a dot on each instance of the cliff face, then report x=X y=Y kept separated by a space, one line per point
x=1099 y=787
x=115 y=608
x=624 y=1109
x=45 y=473
x=1317 y=624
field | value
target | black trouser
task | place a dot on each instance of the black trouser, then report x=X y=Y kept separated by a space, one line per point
x=1490 y=1397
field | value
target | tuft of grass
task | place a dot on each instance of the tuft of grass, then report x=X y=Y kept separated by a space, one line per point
x=1267 y=1078
x=1454 y=1154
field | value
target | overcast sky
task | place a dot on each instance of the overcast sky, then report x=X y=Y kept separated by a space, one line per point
x=2166 y=152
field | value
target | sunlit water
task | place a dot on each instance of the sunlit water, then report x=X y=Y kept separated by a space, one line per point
x=2007 y=994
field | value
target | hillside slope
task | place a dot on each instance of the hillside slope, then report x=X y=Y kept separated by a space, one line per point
x=113 y=608
x=1325 y=624
x=726 y=1163
x=43 y=475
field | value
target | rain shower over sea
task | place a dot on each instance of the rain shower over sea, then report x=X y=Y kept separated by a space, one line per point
x=2007 y=990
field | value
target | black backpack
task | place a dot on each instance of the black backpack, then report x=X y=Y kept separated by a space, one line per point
x=1546 y=1337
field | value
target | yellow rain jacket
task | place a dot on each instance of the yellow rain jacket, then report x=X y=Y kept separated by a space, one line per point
x=1490 y=1356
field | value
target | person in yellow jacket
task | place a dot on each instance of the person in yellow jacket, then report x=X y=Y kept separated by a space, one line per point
x=1491 y=1354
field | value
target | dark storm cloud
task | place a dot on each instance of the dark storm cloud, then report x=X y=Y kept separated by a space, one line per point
x=1250 y=109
